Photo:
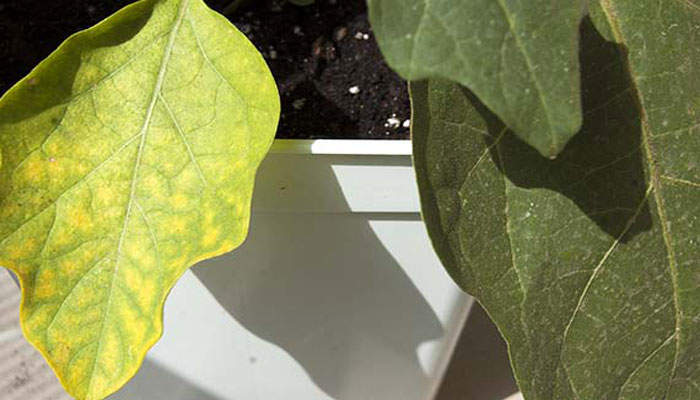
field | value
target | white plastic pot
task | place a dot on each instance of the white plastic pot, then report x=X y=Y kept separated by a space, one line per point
x=336 y=294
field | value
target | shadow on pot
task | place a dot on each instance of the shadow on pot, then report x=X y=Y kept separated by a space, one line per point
x=156 y=382
x=320 y=284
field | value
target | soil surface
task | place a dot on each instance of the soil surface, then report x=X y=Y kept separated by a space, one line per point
x=332 y=79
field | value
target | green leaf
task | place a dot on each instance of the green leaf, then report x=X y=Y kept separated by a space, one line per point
x=519 y=57
x=588 y=263
x=664 y=61
x=129 y=154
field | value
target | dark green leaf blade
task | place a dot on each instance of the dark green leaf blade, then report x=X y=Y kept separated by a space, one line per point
x=575 y=259
x=520 y=58
x=664 y=61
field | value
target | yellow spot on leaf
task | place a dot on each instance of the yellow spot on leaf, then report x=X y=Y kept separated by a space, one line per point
x=177 y=225
x=146 y=294
x=33 y=170
x=105 y=195
x=179 y=201
x=80 y=219
x=210 y=237
x=133 y=326
x=46 y=285
x=25 y=250
x=133 y=279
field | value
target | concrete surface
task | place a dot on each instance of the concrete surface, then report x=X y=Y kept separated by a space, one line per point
x=23 y=373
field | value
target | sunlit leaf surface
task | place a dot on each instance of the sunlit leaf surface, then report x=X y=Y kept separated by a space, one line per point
x=128 y=155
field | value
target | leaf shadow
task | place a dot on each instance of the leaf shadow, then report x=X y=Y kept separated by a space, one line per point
x=154 y=381
x=330 y=293
x=602 y=168
x=52 y=82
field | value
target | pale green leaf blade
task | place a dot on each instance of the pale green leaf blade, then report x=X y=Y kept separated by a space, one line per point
x=128 y=155
x=587 y=263
x=519 y=57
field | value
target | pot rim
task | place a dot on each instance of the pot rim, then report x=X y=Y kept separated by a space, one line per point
x=370 y=147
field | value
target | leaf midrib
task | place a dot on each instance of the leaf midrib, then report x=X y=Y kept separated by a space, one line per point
x=134 y=180
x=654 y=188
x=609 y=11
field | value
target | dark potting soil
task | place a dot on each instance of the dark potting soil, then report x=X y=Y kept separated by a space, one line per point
x=331 y=76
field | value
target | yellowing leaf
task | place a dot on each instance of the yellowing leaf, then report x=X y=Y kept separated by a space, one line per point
x=128 y=155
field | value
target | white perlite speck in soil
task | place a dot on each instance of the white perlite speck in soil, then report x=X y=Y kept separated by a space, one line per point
x=361 y=36
x=393 y=122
